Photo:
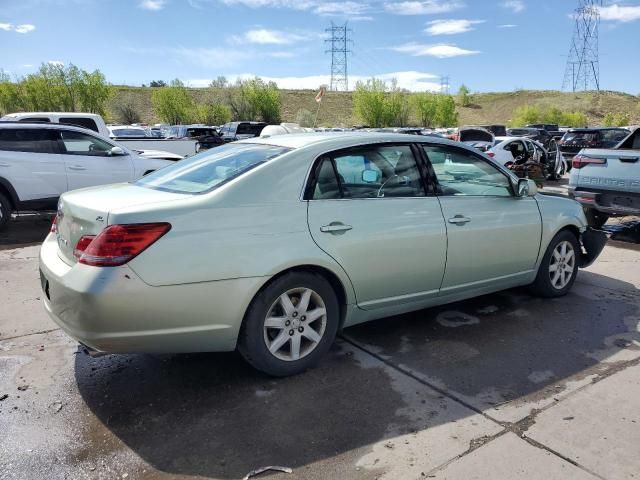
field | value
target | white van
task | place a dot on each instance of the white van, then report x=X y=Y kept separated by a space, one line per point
x=92 y=121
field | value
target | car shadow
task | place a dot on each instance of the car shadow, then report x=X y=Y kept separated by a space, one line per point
x=212 y=415
x=25 y=230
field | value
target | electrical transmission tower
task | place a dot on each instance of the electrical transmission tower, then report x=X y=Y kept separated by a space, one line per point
x=583 y=65
x=444 y=84
x=338 y=42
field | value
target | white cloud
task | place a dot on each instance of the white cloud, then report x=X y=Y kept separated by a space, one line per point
x=153 y=5
x=24 y=28
x=620 y=13
x=57 y=63
x=508 y=25
x=263 y=36
x=439 y=51
x=282 y=54
x=26 y=65
x=410 y=80
x=450 y=27
x=516 y=6
x=349 y=8
x=424 y=7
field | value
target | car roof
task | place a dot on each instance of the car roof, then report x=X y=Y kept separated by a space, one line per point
x=35 y=125
x=342 y=139
x=43 y=114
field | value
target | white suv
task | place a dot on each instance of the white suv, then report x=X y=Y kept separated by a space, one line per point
x=39 y=162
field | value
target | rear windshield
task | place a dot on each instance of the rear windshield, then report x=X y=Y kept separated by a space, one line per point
x=207 y=170
x=581 y=136
x=249 y=129
x=80 y=122
x=128 y=132
x=199 y=132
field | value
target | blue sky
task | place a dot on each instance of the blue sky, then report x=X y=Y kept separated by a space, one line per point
x=492 y=45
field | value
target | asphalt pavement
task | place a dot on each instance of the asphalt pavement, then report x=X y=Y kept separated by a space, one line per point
x=505 y=386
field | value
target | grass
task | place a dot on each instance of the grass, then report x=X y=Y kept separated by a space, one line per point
x=336 y=108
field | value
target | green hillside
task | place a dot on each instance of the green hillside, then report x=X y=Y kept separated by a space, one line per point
x=337 y=107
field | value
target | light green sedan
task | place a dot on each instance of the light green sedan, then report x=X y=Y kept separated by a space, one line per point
x=272 y=245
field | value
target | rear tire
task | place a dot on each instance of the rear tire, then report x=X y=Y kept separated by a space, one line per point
x=595 y=218
x=559 y=266
x=5 y=211
x=290 y=325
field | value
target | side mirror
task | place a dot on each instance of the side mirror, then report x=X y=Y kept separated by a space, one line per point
x=370 y=176
x=526 y=188
x=117 y=151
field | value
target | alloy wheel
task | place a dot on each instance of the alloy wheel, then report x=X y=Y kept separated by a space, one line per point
x=295 y=324
x=562 y=265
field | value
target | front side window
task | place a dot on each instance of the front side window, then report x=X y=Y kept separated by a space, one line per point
x=373 y=172
x=80 y=122
x=207 y=170
x=77 y=143
x=28 y=140
x=35 y=119
x=460 y=173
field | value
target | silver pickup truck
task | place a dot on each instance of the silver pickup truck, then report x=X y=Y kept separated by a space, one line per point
x=607 y=181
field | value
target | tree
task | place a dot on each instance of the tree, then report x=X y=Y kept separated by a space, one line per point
x=10 y=99
x=157 y=84
x=464 y=99
x=212 y=114
x=125 y=109
x=616 y=119
x=369 y=102
x=255 y=99
x=396 y=106
x=305 y=118
x=94 y=92
x=219 y=82
x=426 y=104
x=447 y=115
x=172 y=103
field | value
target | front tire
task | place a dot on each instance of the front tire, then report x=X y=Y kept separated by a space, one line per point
x=559 y=266
x=290 y=325
x=5 y=211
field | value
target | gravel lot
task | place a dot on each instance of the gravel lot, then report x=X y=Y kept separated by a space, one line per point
x=504 y=386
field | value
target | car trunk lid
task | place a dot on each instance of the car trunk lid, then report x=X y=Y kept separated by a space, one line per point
x=86 y=212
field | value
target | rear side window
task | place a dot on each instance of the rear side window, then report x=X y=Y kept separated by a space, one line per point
x=30 y=140
x=249 y=129
x=80 y=122
x=35 y=119
x=610 y=138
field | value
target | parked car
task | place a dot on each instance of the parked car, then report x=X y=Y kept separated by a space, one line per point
x=281 y=129
x=233 y=131
x=540 y=135
x=127 y=131
x=552 y=129
x=497 y=130
x=284 y=240
x=522 y=151
x=607 y=181
x=476 y=137
x=92 y=121
x=577 y=139
x=40 y=161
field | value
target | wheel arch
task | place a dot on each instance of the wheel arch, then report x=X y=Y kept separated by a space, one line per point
x=7 y=189
x=333 y=278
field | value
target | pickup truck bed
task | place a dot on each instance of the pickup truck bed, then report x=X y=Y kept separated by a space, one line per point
x=607 y=181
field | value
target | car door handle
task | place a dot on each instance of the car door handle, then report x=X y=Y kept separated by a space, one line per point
x=335 y=227
x=629 y=159
x=77 y=167
x=459 y=220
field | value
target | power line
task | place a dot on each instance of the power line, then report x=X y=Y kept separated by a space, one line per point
x=583 y=64
x=444 y=84
x=338 y=42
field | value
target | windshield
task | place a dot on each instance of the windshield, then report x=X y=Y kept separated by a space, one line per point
x=207 y=170
x=581 y=137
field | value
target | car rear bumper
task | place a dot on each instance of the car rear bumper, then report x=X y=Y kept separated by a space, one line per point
x=593 y=242
x=611 y=203
x=112 y=310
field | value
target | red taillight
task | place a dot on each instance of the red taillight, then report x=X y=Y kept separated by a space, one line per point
x=119 y=244
x=491 y=154
x=580 y=161
x=82 y=245
x=54 y=225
